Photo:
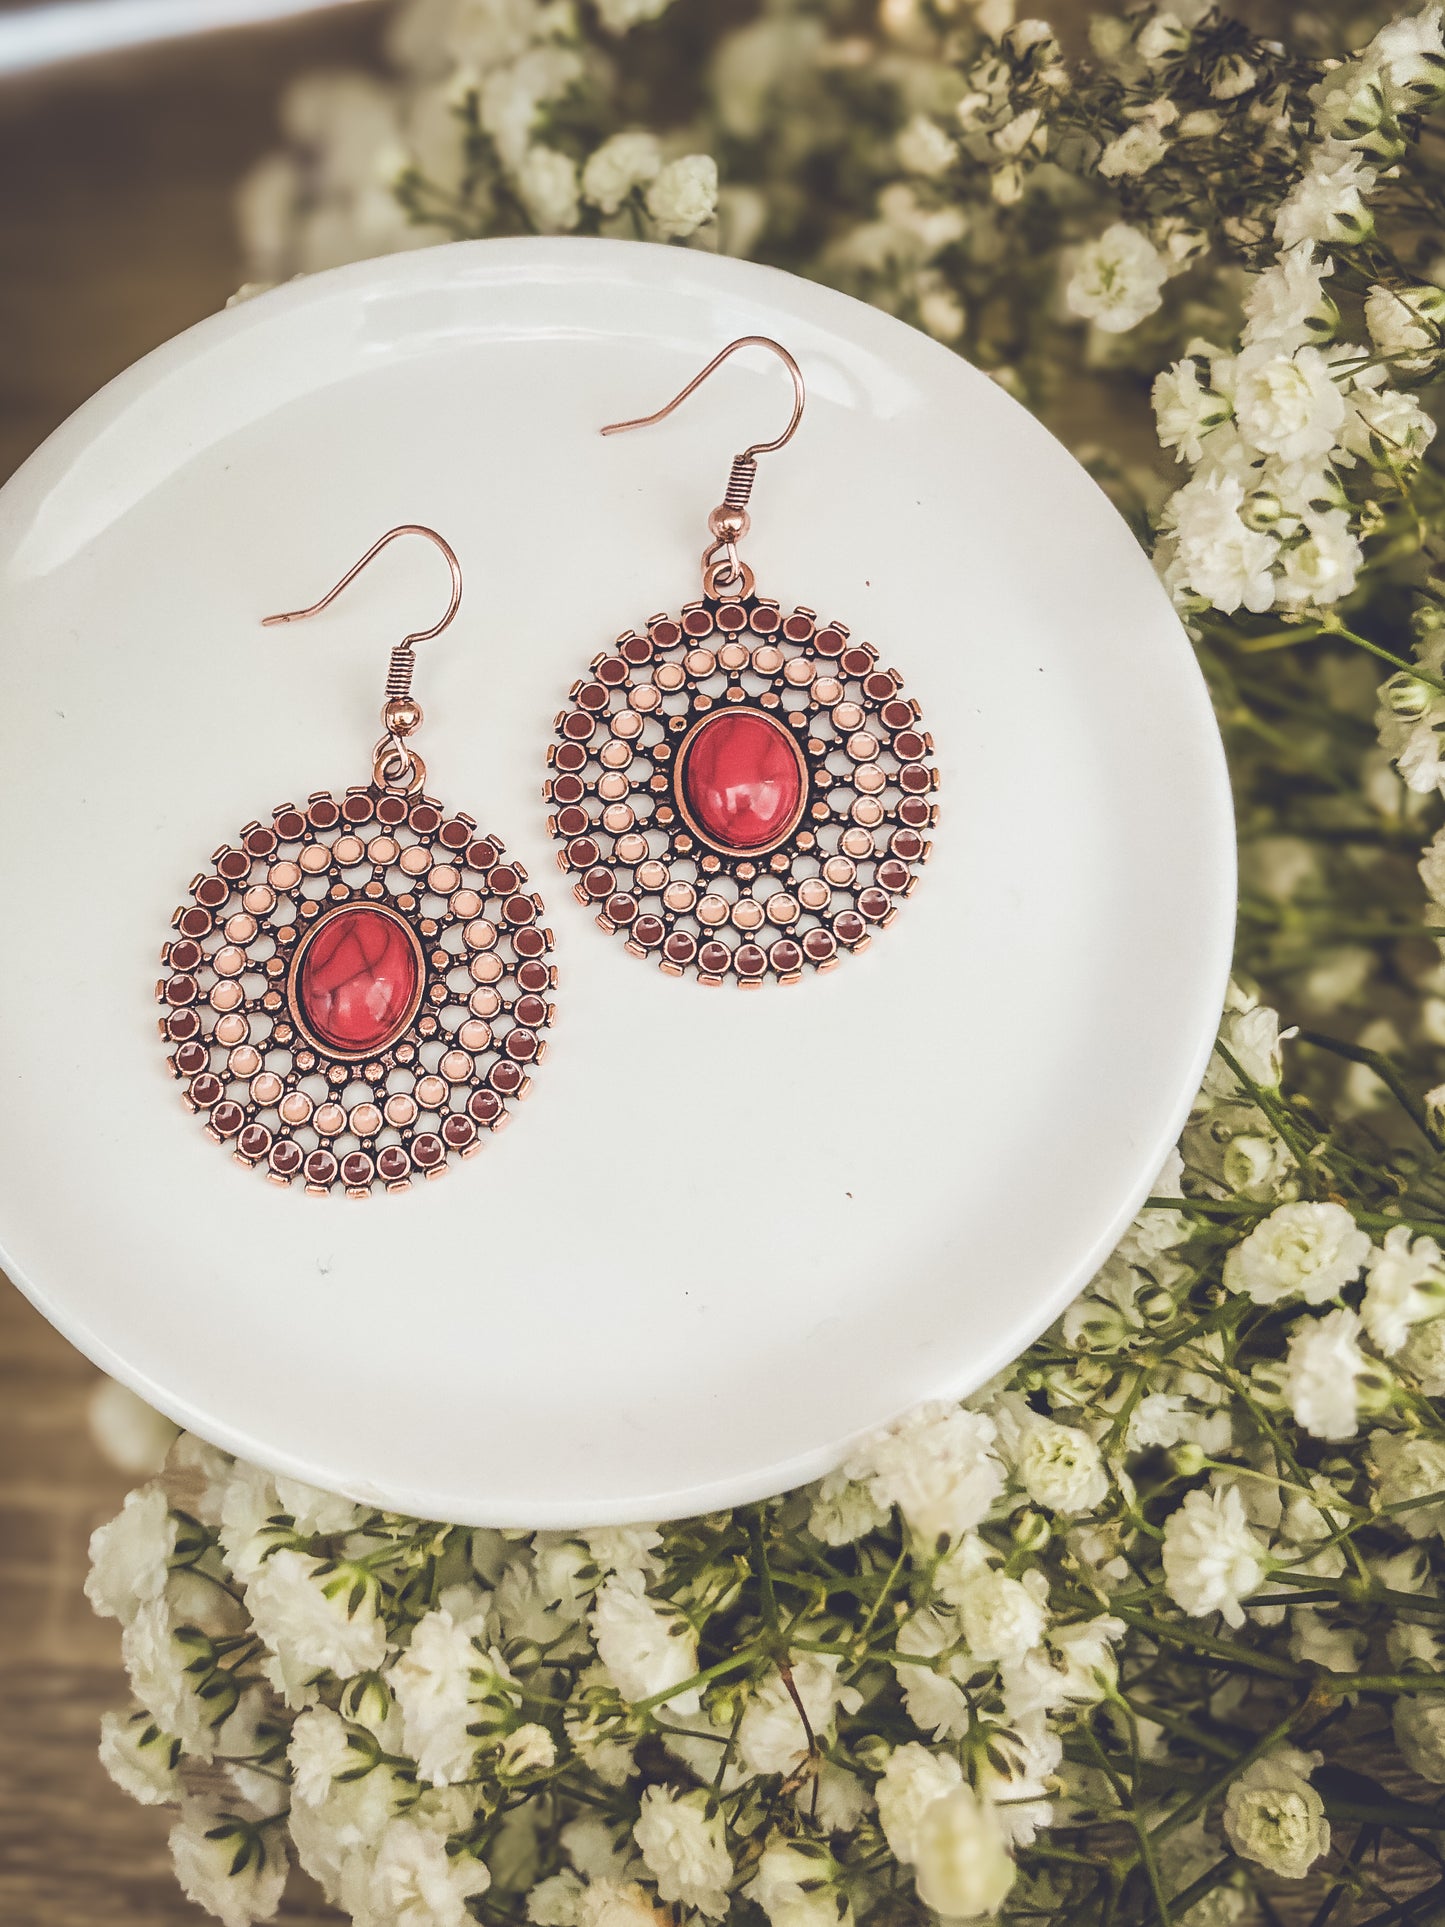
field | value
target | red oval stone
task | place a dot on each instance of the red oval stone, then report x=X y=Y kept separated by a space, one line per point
x=356 y=981
x=740 y=780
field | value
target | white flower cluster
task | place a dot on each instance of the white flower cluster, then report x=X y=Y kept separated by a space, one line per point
x=399 y=1706
x=1273 y=427
x=463 y=135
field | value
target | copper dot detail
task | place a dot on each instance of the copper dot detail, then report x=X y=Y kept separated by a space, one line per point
x=741 y=794
x=317 y=955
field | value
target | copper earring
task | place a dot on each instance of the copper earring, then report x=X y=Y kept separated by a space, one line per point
x=741 y=794
x=357 y=989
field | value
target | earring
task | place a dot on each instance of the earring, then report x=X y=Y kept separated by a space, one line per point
x=740 y=793
x=357 y=988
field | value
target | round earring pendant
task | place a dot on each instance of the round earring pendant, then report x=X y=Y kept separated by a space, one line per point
x=357 y=991
x=742 y=794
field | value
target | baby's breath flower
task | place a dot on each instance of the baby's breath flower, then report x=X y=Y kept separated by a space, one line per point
x=771 y=1736
x=527 y=1749
x=417 y=1881
x=1212 y=1558
x=1232 y=76
x=1322 y=566
x=130 y=1555
x=913 y=1779
x=313 y=1620
x=617 y=167
x=548 y=188
x=1407 y=324
x=1328 y=202
x=683 y=197
x=1423 y=1356
x=1162 y=38
x=1322 y=1373
x=1409 y=1474
x=1215 y=553
x=1405 y=1284
x=645 y=1648
x=924 y=148
x=1287 y=304
x=1059 y=1466
x=963 y=1869
x=1287 y=405
x=319 y=1752
x=606 y=1902
x=791 y=1888
x=1117 y=279
x=1003 y=1619
x=844 y=1510
x=1419 y=1722
x=1308 y=1251
x=140 y=1758
x=937 y=1466
x=685 y=1848
x=1388 y=429
x=433 y=1682
x=131 y=1434
x=1273 y=1815
x=227 y=1864
x=1408 y=53
x=1186 y=409
x=1133 y=152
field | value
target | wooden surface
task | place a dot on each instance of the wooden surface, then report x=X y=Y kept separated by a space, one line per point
x=115 y=233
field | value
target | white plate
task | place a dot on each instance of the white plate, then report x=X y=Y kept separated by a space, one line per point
x=727 y=1233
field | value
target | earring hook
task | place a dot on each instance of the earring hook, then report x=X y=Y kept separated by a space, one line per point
x=395 y=765
x=800 y=395
x=724 y=573
x=405 y=528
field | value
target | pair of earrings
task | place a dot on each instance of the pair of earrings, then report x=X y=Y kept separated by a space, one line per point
x=357 y=989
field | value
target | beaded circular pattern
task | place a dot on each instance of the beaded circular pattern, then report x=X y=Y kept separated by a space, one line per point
x=767 y=851
x=356 y=991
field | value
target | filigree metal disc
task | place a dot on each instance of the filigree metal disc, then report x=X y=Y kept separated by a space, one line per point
x=458 y=1058
x=854 y=849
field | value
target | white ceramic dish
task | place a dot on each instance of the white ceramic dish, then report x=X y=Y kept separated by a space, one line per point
x=727 y=1234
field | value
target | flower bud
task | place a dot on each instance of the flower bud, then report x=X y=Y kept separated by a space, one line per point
x=1406 y=696
x=1031 y=1530
x=1162 y=38
x=1076 y=1381
x=1261 y=510
x=1351 y=104
x=1186 y=1460
x=1374 y=1390
x=1414 y=79
x=871 y=1752
x=1247 y=1161
x=1267 y=1384
x=1094 y=1325
x=522 y=1655
x=1233 y=75
x=725 y=1702
x=366 y=1701
x=1007 y=184
x=1155 y=1305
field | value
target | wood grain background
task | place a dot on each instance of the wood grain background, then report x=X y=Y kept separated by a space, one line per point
x=115 y=233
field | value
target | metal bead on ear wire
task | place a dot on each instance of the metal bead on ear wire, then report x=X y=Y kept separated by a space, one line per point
x=741 y=794
x=358 y=988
